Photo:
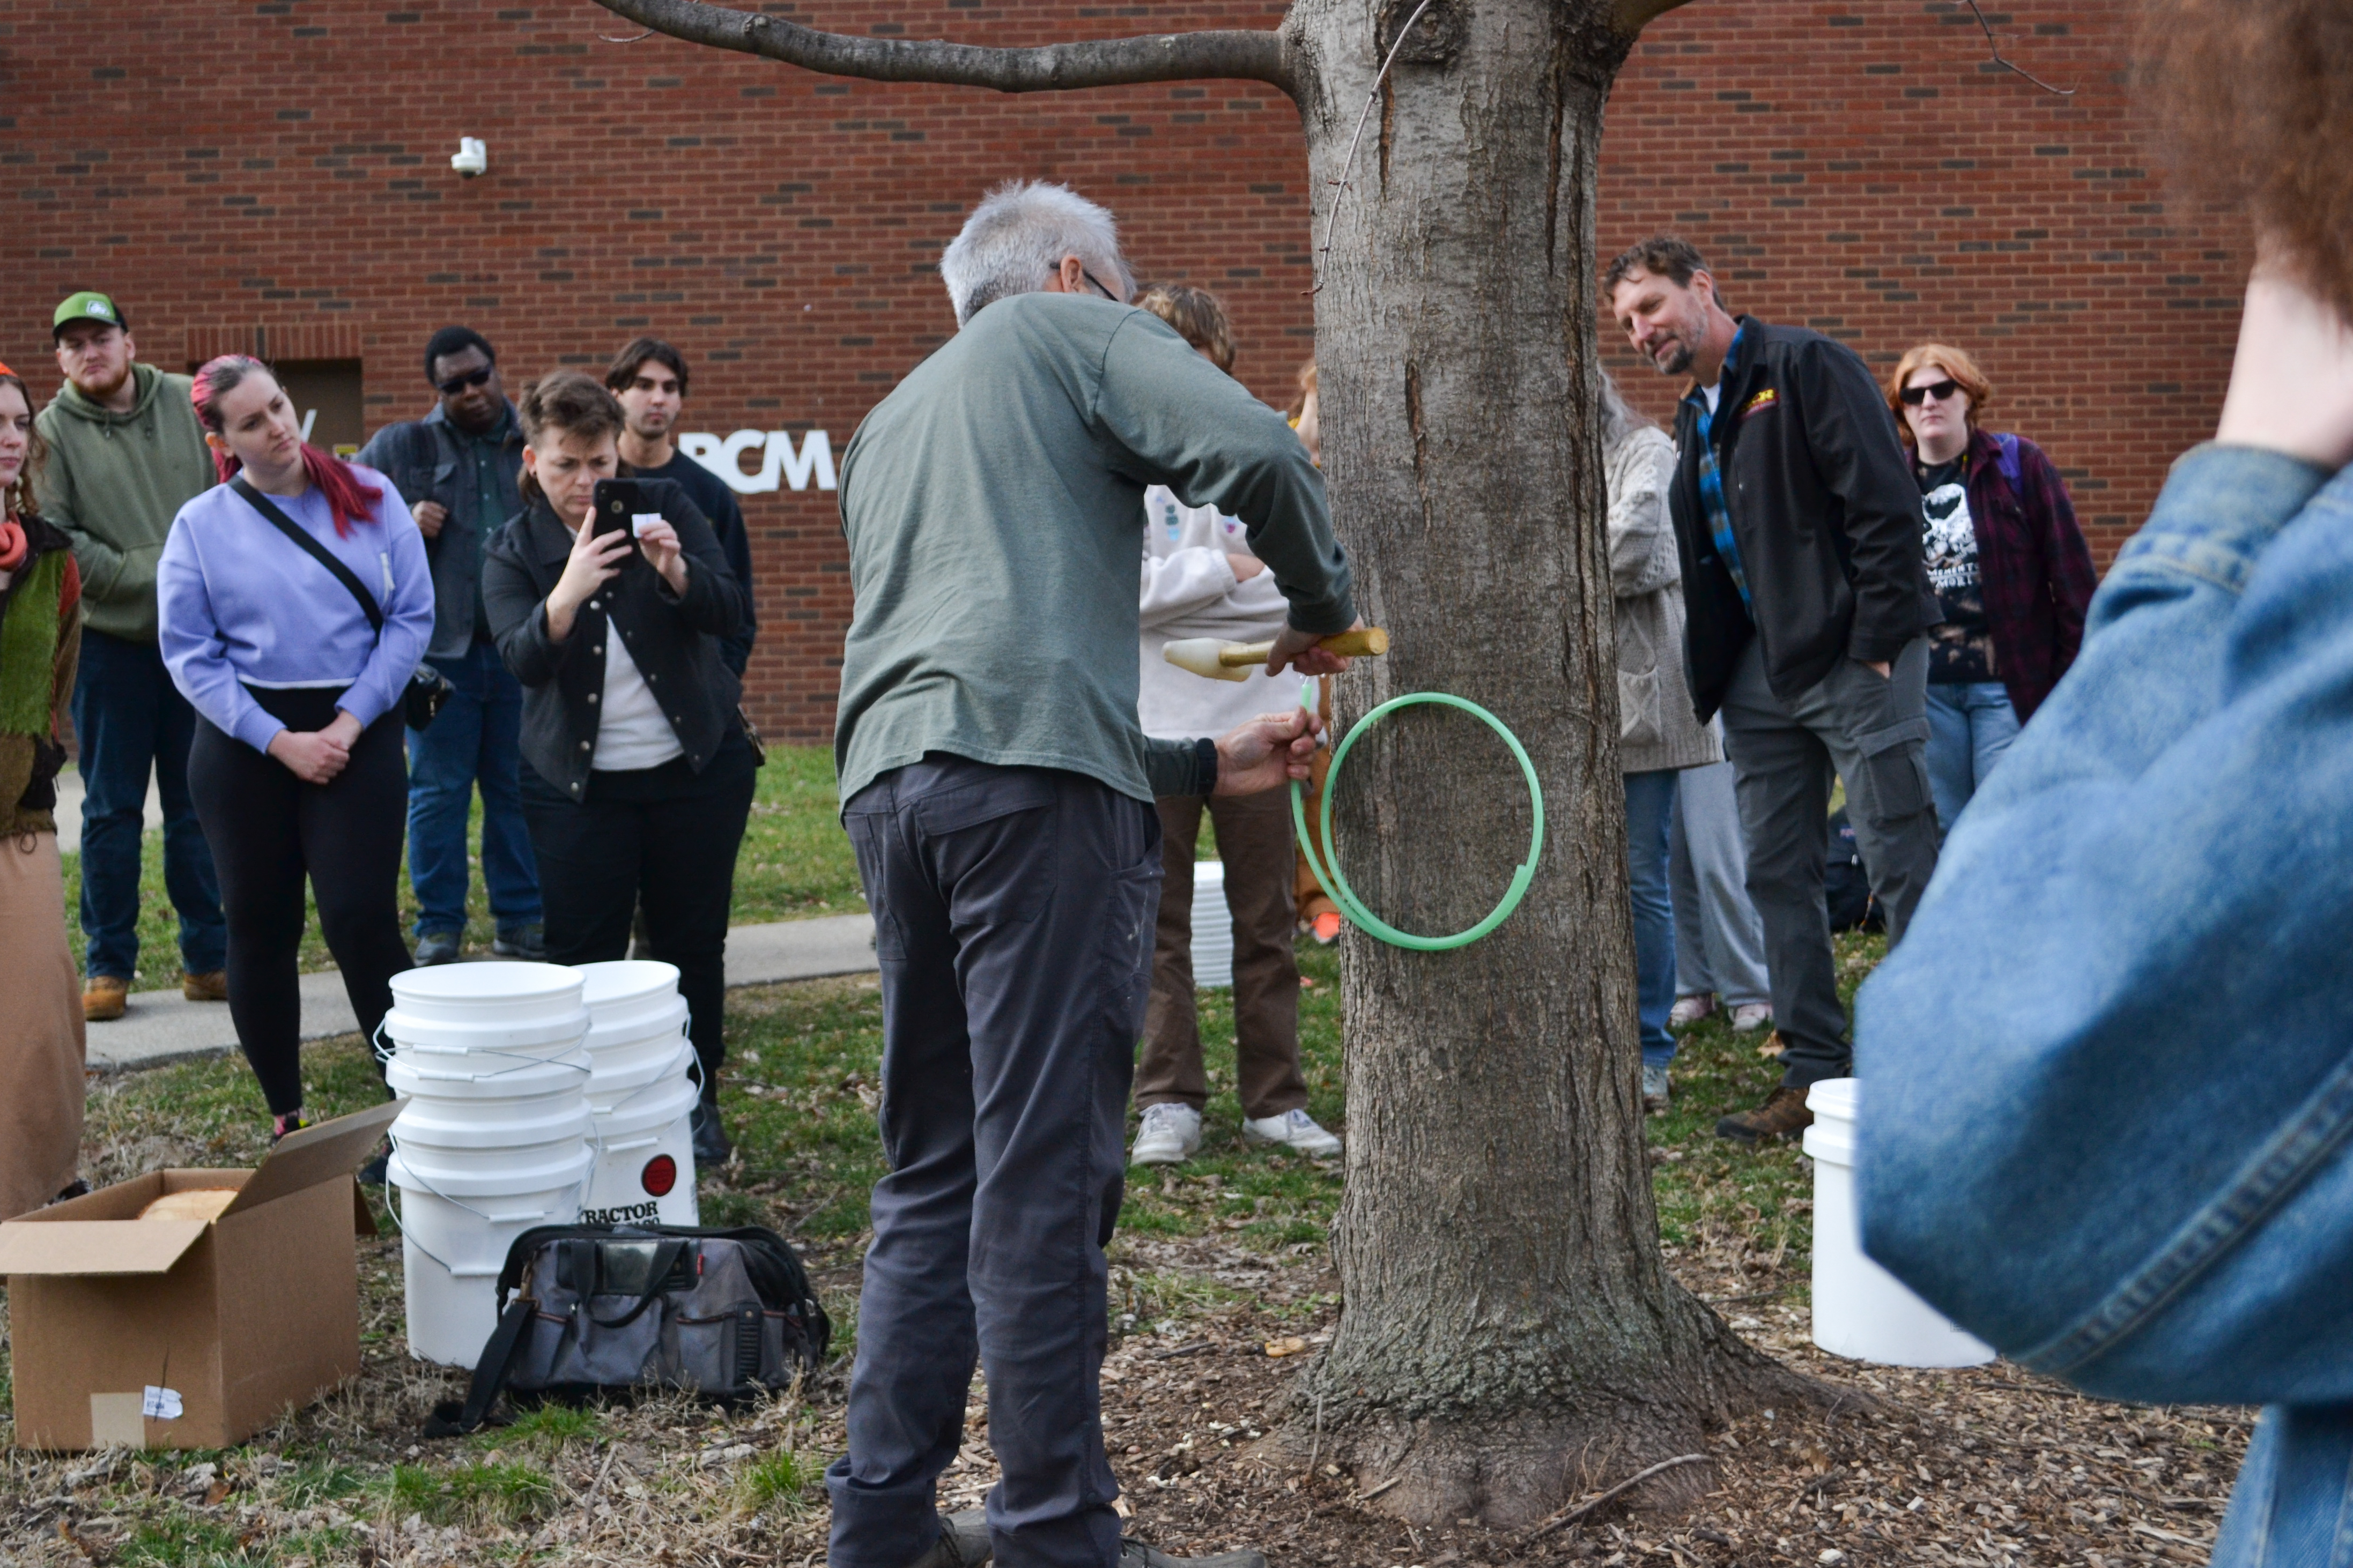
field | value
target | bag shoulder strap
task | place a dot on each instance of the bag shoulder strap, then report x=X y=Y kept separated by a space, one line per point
x=490 y=1375
x=312 y=548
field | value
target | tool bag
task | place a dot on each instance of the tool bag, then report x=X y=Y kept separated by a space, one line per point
x=597 y=1309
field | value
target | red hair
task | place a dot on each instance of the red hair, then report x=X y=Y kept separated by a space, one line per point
x=349 y=498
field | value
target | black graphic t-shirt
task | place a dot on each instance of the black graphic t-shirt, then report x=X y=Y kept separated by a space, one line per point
x=1962 y=648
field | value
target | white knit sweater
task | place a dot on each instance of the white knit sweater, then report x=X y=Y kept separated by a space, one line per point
x=1190 y=591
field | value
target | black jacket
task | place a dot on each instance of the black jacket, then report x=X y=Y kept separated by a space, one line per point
x=1824 y=510
x=674 y=641
x=425 y=460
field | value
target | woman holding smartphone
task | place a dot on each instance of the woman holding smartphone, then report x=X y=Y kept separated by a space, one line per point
x=298 y=767
x=637 y=777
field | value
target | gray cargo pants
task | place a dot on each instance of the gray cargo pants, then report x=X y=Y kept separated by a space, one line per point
x=1013 y=916
x=1873 y=730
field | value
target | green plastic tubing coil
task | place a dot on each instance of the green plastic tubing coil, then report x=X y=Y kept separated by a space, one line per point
x=1337 y=886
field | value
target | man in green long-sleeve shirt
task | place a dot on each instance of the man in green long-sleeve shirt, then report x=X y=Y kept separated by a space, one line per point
x=125 y=454
x=998 y=791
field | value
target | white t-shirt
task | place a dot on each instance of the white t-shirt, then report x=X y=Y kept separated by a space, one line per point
x=632 y=731
x=1713 y=394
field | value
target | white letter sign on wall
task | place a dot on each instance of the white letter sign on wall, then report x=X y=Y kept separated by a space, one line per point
x=779 y=464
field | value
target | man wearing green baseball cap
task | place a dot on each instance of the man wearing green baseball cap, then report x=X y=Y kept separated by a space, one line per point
x=125 y=454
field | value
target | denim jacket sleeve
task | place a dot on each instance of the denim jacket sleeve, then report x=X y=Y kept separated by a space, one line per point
x=2108 y=1076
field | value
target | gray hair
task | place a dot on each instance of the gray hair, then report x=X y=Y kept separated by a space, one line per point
x=1617 y=419
x=1017 y=238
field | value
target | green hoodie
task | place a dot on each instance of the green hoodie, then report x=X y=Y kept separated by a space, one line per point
x=114 y=482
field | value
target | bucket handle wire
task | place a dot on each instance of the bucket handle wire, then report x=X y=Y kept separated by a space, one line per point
x=408 y=1239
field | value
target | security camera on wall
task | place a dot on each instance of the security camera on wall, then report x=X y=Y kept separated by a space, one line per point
x=471 y=157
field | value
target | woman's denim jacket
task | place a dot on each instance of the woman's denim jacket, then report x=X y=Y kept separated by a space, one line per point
x=2108 y=1076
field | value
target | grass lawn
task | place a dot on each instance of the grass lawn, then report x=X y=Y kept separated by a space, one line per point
x=796 y=862
x=1215 y=1264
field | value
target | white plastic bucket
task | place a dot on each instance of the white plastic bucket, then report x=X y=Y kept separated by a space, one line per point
x=1213 y=926
x=627 y=990
x=641 y=1044
x=454 y=1244
x=445 y=1135
x=480 y=1078
x=1861 y=1311
x=645 y=1163
x=552 y=1034
x=451 y=1174
x=609 y=1091
x=483 y=994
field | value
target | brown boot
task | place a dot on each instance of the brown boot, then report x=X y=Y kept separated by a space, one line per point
x=1784 y=1114
x=212 y=985
x=103 y=997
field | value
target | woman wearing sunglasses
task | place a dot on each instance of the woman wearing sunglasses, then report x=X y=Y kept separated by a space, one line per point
x=2008 y=564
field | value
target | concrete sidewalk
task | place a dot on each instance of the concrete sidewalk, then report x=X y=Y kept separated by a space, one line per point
x=162 y=1026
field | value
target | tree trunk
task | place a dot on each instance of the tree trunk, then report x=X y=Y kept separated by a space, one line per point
x=1510 y=1336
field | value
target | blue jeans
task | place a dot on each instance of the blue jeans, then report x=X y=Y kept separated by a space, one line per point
x=475 y=738
x=1970 y=725
x=130 y=719
x=1649 y=802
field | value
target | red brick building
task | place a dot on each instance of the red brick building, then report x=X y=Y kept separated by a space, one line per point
x=275 y=176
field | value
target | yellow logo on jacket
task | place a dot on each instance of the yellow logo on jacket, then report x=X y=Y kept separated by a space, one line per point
x=1758 y=403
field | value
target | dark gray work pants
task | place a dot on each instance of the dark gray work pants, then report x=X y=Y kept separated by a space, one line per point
x=1013 y=916
x=1872 y=730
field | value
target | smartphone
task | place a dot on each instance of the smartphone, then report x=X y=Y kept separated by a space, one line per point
x=616 y=506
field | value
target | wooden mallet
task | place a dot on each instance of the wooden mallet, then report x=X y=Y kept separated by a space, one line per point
x=1232 y=660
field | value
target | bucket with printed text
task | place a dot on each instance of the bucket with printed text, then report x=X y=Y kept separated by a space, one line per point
x=642 y=1091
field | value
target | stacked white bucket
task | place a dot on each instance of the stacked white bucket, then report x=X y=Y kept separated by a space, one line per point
x=1213 y=926
x=495 y=1138
x=641 y=1094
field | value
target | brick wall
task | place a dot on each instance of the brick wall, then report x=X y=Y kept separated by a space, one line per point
x=282 y=168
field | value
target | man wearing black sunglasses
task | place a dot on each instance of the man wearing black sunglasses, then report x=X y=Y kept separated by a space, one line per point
x=458 y=469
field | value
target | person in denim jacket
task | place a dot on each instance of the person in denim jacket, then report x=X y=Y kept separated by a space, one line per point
x=2107 y=1096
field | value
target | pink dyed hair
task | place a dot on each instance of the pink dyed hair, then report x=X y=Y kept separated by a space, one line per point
x=349 y=498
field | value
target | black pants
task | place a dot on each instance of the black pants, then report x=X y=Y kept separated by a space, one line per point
x=666 y=836
x=1013 y=918
x=268 y=830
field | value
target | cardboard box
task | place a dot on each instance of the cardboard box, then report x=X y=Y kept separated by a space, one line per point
x=184 y=1333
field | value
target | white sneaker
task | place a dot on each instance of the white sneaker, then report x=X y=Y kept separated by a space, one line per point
x=1292 y=1130
x=1691 y=1009
x=1169 y=1135
x=1655 y=1089
x=1751 y=1016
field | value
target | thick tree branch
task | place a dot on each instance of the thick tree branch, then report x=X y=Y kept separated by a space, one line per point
x=1105 y=62
x=1630 y=16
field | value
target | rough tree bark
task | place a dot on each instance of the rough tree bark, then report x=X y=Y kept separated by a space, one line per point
x=1511 y=1337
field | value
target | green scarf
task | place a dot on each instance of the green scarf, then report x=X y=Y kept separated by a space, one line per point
x=29 y=648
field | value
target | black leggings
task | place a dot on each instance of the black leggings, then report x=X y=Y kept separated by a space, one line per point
x=267 y=829
x=666 y=836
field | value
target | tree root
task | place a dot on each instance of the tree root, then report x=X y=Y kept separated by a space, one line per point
x=1642 y=1449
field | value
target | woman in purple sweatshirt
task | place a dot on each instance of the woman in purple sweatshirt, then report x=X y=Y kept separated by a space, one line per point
x=298 y=767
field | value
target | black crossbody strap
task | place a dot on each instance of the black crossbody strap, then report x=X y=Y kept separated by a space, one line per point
x=316 y=550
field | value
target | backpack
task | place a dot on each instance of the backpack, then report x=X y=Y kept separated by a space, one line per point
x=2009 y=464
x=1846 y=881
x=600 y=1309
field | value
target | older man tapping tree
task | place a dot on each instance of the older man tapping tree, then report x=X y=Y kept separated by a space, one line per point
x=1511 y=1336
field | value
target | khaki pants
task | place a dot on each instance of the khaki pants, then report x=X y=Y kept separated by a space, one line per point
x=41 y=1046
x=1306 y=892
x=1254 y=839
